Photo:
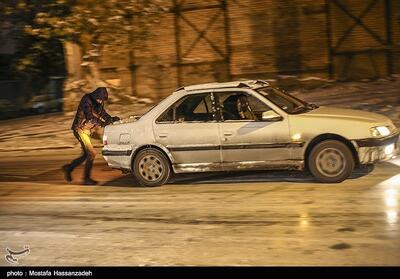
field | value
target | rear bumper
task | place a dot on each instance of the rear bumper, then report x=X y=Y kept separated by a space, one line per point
x=118 y=159
x=376 y=150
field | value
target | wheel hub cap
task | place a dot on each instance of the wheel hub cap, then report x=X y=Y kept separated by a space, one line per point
x=150 y=168
x=330 y=162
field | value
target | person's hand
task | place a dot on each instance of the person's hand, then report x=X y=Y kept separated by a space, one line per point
x=104 y=124
x=115 y=118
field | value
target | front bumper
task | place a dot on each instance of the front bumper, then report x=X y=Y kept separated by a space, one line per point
x=377 y=150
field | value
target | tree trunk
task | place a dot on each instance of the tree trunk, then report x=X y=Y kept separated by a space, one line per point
x=83 y=75
x=92 y=74
x=73 y=60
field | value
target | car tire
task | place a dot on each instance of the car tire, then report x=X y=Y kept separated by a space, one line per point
x=331 y=161
x=151 y=167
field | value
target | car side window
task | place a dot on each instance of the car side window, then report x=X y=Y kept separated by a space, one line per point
x=193 y=108
x=241 y=106
x=167 y=117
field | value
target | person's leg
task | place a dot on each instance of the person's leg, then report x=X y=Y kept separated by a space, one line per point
x=68 y=168
x=91 y=154
x=87 y=180
x=76 y=162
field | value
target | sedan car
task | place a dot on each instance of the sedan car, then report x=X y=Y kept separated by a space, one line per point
x=43 y=104
x=246 y=125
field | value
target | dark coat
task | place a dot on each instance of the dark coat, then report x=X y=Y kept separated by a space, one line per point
x=90 y=113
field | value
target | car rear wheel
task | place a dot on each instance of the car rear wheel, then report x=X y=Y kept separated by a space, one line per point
x=331 y=161
x=151 y=167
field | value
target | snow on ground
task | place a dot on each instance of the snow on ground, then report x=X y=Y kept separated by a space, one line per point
x=381 y=96
x=52 y=131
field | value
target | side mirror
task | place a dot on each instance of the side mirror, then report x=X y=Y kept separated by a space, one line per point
x=271 y=116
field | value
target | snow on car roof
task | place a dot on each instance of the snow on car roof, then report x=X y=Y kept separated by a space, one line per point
x=232 y=84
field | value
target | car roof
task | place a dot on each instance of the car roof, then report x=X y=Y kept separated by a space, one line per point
x=232 y=84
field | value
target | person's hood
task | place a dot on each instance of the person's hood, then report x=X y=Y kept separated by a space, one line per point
x=100 y=93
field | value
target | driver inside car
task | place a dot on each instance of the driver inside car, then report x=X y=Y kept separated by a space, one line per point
x=244 y=109
x=237 y=107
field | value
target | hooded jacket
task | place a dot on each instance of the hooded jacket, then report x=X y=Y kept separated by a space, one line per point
x=90 y=113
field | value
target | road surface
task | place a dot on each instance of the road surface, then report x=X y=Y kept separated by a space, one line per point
x=246 y=218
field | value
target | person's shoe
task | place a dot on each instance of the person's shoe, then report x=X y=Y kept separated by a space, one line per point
x=67 y=173
x=89 y=181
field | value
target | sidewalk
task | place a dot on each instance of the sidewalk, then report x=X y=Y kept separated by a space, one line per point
x=52 y=131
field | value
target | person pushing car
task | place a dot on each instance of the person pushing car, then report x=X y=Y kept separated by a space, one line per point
x=89 y=115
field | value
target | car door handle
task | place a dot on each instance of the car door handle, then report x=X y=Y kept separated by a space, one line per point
x=228 y=133
x=163 y=135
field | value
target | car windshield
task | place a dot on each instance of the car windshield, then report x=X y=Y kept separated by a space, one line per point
x=286 y=102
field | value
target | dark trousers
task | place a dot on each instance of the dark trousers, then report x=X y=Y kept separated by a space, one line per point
x=88 y=153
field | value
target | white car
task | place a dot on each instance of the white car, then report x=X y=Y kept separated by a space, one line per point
x=43 y=104
x=246 y=125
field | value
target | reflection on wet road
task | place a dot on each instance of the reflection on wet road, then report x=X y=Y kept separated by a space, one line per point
x=246 y=218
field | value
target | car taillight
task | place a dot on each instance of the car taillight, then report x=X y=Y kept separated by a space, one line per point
x=105 y=142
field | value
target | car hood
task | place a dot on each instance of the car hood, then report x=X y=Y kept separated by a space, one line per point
x=348 y=114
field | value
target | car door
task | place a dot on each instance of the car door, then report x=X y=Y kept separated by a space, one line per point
x=245 y=137
x=189 y=130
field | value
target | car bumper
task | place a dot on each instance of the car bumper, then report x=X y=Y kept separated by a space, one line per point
x=377 y=150
x=118 y=159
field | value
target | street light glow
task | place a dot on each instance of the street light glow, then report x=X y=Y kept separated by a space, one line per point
x=391 y=216
x=391 y=197
x=304 y=220
x=393 y=181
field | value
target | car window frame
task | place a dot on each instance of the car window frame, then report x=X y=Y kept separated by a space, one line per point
x=304 y=103
x=179 y=100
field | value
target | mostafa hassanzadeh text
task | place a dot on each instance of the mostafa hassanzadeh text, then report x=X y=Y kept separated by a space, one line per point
x=44 y=273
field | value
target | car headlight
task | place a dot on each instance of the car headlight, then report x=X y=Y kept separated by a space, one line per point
x=380 y=131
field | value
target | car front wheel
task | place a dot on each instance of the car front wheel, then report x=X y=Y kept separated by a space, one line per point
x=151 y=167
x=331 y=161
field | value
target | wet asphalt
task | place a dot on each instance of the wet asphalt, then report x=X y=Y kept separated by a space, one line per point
x=213 y=219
